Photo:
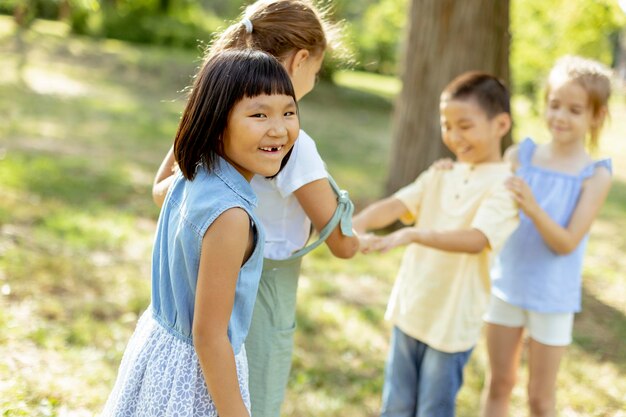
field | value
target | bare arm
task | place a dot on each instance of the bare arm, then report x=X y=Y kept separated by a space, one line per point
x=319 y=202
x=465 y=241
x=378 y=215
x=163 y=178
x=564 y=240
x=223 y=250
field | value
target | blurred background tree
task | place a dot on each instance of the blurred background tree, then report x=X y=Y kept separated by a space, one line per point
x=444 y=39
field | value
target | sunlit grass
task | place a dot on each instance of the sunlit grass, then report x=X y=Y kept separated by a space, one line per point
x=354 y=137
x=381 y=85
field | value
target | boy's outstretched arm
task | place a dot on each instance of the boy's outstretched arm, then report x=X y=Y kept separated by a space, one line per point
x=378 y=215
x=467 y=241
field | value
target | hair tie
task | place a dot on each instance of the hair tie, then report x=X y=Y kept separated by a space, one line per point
x=247 y=23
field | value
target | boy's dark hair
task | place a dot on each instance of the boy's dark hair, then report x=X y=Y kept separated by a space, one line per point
x=489 y=92
x=224 y=79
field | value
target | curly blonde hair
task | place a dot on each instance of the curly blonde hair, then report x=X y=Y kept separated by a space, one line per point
x=595 y=78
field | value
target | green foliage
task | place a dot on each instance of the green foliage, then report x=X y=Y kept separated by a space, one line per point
x=23 y=11
x=225 y=8
x=380 y=35
x=180 y=23
x=83 y=16
x=8 y=6
x=349 y=9
x=544 y=30
x=46 y=9
x=374 y=31
x=145 y=22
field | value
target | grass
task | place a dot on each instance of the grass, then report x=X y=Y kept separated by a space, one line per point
x=83 y=127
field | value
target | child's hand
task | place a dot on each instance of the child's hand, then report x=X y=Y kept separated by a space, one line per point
x=366 y=242
x=401 y=237
x=523 y=195
x=443 y=164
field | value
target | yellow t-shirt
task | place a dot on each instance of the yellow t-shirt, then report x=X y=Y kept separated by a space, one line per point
x=439 y=297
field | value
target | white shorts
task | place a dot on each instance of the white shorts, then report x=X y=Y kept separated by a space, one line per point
x=552 y=329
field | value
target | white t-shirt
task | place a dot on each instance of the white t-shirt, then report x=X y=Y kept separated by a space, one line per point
x=286 y=224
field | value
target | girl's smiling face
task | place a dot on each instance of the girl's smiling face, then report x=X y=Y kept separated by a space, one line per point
x=259 y=133
x=568 y=113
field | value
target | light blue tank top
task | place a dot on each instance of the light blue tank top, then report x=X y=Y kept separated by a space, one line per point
x=190 y=207
x=527 y=273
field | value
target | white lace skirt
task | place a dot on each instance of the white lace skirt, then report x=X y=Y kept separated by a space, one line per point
x=160 y=375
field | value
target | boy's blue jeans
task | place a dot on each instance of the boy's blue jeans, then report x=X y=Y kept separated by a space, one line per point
x=421 y=381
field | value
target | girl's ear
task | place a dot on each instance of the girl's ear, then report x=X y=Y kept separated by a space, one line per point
x=296 y=60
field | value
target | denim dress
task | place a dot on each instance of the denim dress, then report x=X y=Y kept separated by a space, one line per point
x=527 y=273
x=160 y=374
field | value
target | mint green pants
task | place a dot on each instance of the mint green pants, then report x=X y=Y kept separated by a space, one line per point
x=269 y=344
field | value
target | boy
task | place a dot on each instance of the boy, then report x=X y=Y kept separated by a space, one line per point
x=461 y=217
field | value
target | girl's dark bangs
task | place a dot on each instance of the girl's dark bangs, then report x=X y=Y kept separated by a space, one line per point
x=268 y=80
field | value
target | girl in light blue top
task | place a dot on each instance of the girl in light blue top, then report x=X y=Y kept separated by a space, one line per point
x=187 y=357
x=537 y=276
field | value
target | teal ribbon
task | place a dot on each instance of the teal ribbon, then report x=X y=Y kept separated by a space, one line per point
x=342 y=217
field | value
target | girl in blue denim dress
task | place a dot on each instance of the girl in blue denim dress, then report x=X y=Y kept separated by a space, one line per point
x=187 y=357
x=301 y=197
x=536 y=279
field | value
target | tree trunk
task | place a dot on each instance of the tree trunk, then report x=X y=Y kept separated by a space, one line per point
x=444 y=39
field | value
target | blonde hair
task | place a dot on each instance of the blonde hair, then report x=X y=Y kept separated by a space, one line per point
x=594 y=78
x=280 y=27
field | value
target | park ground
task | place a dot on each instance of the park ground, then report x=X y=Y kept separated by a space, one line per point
x=84 y=125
